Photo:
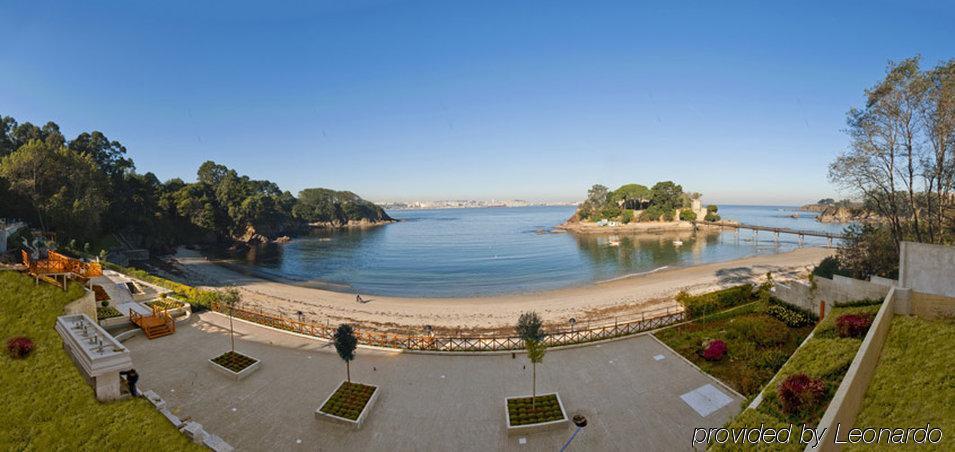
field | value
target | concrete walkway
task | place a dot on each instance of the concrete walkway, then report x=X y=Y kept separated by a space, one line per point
x=428 y=402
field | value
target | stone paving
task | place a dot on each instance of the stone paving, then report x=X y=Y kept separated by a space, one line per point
x=428 y=402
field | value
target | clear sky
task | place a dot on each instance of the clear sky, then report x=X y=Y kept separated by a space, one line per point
x=743 y=101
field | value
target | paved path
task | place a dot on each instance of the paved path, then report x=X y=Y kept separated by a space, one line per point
x=428 y=402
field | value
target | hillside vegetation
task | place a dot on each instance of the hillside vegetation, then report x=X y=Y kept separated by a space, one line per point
x=87 y=189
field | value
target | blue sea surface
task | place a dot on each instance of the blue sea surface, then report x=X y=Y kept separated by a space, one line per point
x=487 y=251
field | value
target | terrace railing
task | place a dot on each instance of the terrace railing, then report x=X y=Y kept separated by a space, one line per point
x=427 y=342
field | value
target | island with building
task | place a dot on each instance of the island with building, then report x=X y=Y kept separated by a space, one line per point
x=635 y=208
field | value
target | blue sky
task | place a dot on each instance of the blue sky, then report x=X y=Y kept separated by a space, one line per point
x=742 y=101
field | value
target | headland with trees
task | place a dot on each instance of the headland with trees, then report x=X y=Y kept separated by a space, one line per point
x=87 y=191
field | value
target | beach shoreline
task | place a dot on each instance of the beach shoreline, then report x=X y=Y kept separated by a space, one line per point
x=619 y=298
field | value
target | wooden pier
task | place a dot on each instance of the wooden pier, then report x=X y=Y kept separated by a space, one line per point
x=802 y=234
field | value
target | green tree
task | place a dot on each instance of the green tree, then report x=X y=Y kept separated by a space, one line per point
x=530 y=327
x=345 y=344
x=65 y=190
x=597 y=196
x=687 y=215
x=230 y=298
x=631 y=196
x=530 y=330
x=667 y=196
x=535 y=353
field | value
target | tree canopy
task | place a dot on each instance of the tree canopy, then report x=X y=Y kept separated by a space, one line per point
x=87 y=188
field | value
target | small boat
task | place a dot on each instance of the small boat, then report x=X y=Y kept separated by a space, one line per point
x=677 y=243
x=795 y=215
x=614 y=243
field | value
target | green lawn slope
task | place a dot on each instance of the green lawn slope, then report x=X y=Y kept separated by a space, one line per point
x=46 y=403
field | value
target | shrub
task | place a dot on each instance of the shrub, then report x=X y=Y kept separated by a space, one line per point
x=828 y=267
x=762 y=331
x=712 y=208
x=792 y=319
x=652 y=213
x=858 y=303
x=710 y=216
x=687 y=215
x=610 y=212
x=626 y=216
x=714 y=350
x=19 y=347
x=771 y=359
x=799 y=393
x=853 y=325
x=708 y=303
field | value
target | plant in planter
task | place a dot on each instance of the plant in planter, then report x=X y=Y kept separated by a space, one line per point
x=351 y=402
x=530 y=330
x=534 y=412
x=231 y=362
x=19 y=347
x=345 y=345
x=799 y=393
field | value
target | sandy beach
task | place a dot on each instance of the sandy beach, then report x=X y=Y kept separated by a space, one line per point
x=619 y=299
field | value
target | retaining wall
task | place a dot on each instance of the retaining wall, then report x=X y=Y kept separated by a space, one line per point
x=847 y=401
x=833 y=291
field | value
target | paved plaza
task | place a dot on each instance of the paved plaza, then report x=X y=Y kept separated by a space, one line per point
x=631 y=397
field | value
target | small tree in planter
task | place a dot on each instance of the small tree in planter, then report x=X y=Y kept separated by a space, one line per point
x=233 y=363
x=530 y=329
x=535 y=353
x=351 y=402
x=345 y=344
x=230 y=298
x=529 y=413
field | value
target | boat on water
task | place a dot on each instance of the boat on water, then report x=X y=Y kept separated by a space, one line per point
x=678 y=243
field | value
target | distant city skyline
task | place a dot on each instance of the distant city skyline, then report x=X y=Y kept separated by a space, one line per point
x=454 y=100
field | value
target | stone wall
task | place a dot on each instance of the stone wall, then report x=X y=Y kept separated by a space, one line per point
x=831 y=292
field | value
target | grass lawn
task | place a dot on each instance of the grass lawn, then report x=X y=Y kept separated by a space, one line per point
x=825 y=356
x=757 y=345
x=46 y=403
x=914 y=382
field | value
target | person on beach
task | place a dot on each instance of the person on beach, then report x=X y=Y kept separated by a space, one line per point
x=358 y=298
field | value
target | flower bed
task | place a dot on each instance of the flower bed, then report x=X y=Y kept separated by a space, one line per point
x=754 y=345
x=822 y=363
x=107 y=312
x=165 y=304
x=527 y=413
x=350 y=403
x=235 y=364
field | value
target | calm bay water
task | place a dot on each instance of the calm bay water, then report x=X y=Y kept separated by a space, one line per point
x=473 y=252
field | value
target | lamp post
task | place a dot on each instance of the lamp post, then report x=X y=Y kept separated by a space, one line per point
x=580 y=421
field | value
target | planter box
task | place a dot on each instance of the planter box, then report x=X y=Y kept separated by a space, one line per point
x=236 y=375
x=540 y=426
x=356 y=423
x=114 y=321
